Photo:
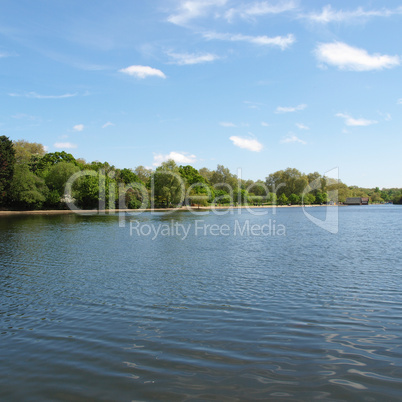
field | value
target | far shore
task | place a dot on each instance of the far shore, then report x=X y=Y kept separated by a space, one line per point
x=116 y=211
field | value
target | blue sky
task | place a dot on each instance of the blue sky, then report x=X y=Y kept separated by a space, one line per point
x=260 y=86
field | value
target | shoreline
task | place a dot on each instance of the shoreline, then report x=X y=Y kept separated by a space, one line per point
x=116 y=211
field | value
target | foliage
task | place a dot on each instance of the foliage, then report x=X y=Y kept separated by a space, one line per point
x=56 y=178
x=143 y=174
x=320 y=197
x=127 y=176
x=26 y=152
x=190 y=175
x=168 y=186
x=282 y=199
x=87 y=191
x=308 y=199
x=241 y=196
x=197 y=189
x=222 y=179
x=258 y=188
x=289 y=181
x=97 y=166
x=28 y=191
x=206 y=174
x=53 y=158
x=31 y=178
x=222 y=197
x=294 y=199
x=7 y=162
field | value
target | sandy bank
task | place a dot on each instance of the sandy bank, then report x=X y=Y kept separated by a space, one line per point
x=115 y=211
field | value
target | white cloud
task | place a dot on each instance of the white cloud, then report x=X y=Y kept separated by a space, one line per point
x=227 y=124
x=399 y=101
x=280 y=41
x=247 y=143
x=350 y=121
x=191 y=58
x=176 y=156
x=264 y=124
x=328 y=15
x=292 y=138
x=302 y=126
x=281 y=109
x=64 y=145
x=107 y=124
x=346 y=57
x=191 y=9
x=260 y=8
x=78 y=127
x=34 y=95
x=142 y=72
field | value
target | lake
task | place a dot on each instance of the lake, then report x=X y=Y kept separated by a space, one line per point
x=186 y=306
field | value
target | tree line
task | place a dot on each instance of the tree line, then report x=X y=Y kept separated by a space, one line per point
x=31 y=178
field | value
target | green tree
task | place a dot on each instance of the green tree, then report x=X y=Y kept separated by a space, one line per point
x=86 y=191
x=222 y=179
x=27 y=191
x=376 y=197
x=134 y=193
x=397 y=196
x=27 y=152
x=206 y=174
x=308 y=199
x=127 y=176
x=289 y=181
x=98 y=166
x=282 y=199
x=197 y=190
x=319 y=197
x=53 y=158
x=7 y=162
x=191 y=175
x=143 y=174
x=258 y=188
x=56 y=178
x=294 y=199
x=222 y=197
x=338 y=191
x=241 y=196
x=168 y=185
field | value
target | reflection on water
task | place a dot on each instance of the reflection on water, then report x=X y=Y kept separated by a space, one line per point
x=89 y=312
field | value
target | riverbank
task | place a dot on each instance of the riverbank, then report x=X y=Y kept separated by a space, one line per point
x=115 y=211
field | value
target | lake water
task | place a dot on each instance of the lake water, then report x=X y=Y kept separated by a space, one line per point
x=91 y=310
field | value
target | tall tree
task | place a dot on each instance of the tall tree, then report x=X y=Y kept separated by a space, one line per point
x=127 y=176
x=7 y=161
x=143 y=173
x=53 y=158
x=205 y=173
x=27 y=190
x=168 y=184
x=24 y=151
x=56 y=178
x=288 y=181
x=222 y=179
x=197 y=190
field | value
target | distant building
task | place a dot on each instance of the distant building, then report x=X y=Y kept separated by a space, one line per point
x=357 y=201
